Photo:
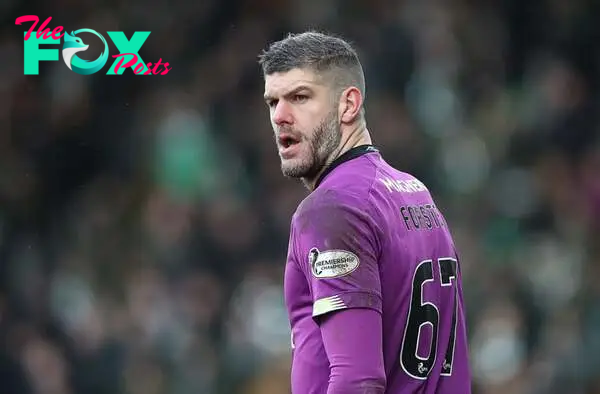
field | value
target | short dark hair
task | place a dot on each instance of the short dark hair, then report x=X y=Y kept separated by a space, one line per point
x=319 y=52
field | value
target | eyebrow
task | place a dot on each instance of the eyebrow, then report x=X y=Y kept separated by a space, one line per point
x=290 y=93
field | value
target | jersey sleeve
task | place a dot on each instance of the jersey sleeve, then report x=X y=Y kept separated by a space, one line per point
x=336 y=245
x=355 y=358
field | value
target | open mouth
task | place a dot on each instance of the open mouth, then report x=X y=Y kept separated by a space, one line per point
x=287 y=140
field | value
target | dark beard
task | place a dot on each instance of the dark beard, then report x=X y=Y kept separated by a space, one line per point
x=325 y=140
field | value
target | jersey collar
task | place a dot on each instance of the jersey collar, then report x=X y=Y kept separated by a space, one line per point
x=353 y=153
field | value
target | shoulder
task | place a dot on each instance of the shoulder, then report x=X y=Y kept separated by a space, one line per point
x=327 y=211
x=326 y=200
x=343 y=200
x=350 y=186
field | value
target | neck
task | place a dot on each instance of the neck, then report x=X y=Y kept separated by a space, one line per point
x=357 y=137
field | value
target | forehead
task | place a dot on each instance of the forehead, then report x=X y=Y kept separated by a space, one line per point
x=280 y=83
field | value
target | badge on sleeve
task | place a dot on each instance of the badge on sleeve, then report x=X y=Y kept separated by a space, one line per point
x=332 y=263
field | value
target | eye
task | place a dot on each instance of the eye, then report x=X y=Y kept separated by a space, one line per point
x=271 y=103
x=299 y=98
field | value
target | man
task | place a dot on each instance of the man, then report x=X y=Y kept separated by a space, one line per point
x=372 y=282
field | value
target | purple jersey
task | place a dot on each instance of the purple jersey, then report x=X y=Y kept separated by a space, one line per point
x=370 y=236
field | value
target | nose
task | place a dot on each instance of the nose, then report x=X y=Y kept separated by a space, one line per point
x=282 y=114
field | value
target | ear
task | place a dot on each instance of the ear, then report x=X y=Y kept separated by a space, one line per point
x=351 y=101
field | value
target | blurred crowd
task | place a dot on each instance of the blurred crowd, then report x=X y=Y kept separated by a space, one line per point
x=144 y=220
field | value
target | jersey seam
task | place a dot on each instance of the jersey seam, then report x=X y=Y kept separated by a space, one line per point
x=372 y=207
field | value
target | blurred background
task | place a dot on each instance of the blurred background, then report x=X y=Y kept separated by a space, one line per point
x=144 y=220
